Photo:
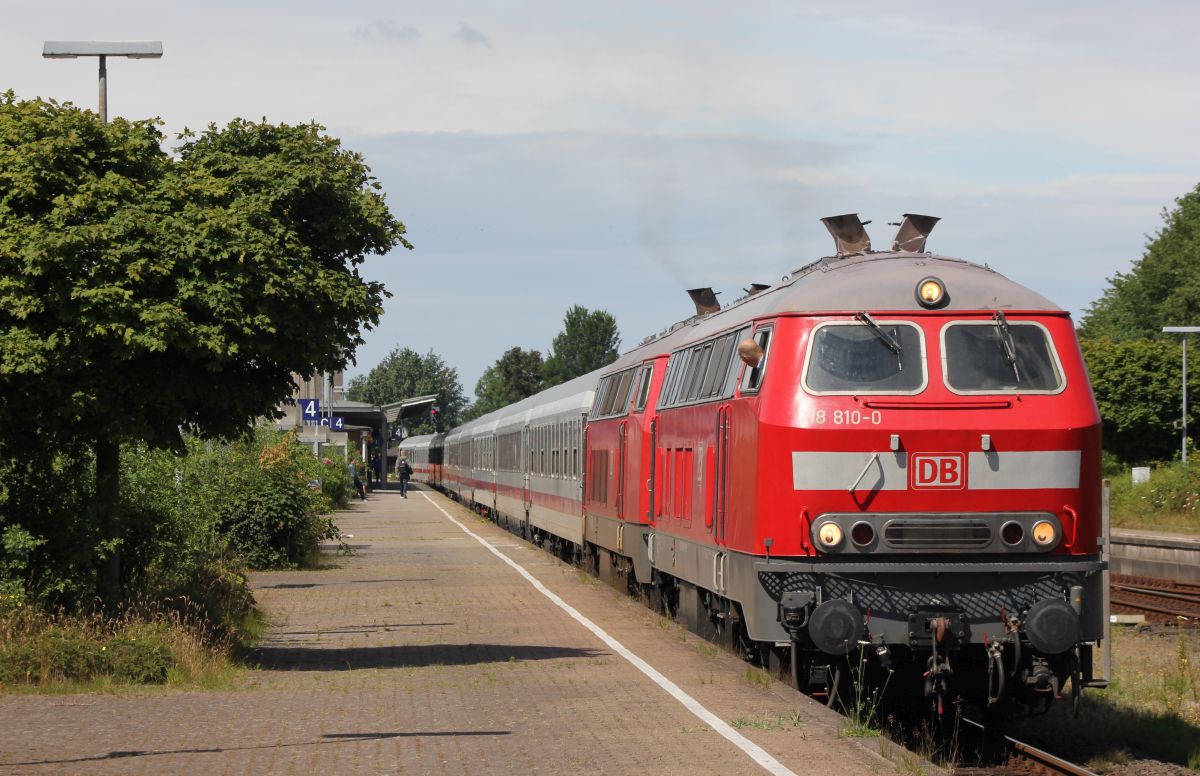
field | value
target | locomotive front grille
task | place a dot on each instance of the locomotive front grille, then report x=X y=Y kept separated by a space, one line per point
x=901 y=533
x=937 y=534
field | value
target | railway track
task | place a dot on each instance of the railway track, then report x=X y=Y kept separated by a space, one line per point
x=1159 y=600
x=1011 y=756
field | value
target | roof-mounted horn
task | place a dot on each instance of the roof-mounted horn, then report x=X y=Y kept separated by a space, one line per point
x=848 y=233
x=705 y=300
x=913 y=231
x=755 y=288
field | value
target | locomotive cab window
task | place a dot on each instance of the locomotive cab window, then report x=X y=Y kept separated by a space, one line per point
x=865 y=356
x=752 y=377
x=1000 y=356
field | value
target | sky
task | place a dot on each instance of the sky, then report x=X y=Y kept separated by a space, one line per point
x=612 y=154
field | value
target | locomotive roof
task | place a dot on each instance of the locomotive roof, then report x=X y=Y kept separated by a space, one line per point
x=868 y=281
x=887 y=281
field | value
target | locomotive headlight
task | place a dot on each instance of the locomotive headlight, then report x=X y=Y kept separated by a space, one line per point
x=830 y=534
x=931 y=292
x=1044 y=533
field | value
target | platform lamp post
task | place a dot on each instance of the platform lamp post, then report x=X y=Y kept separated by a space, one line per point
x=1184 y=330
x=70 y=49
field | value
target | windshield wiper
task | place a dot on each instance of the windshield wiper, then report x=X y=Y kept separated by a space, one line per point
x=1006 y=341
x=886 y=338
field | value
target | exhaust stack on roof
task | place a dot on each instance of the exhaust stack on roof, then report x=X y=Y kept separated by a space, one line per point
x=705 y=300
x=848 y=233
x=913 y=231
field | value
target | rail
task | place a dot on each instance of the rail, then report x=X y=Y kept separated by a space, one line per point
x=1021 y=757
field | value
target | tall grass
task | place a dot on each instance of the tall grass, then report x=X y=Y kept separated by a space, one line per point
x=1170 y=501
x=59 y=651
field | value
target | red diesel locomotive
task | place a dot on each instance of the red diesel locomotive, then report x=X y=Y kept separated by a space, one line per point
x=905 y=474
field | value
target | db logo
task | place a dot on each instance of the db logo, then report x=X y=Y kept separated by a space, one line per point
x=938 y=470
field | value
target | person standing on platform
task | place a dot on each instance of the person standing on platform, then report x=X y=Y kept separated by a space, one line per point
x=405 y=474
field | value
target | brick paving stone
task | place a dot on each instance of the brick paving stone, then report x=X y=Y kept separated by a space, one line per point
x=423 y=653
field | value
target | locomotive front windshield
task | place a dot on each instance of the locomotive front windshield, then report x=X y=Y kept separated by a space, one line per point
x=982 y=357
x=855 y=357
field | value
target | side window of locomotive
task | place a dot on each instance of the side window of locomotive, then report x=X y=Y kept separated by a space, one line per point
x=987 y=357
x=701 y=354
x=718 y=367
x=857 y=358
x=643 y=391
x=675 y=372
x=753 y=376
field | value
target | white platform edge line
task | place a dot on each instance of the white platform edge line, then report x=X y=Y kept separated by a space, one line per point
x=751 y=749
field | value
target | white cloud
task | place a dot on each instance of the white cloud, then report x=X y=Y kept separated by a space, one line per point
x=612 y=153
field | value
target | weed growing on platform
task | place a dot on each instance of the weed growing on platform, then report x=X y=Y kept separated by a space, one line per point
x=778 y=722
x=756 y=677
x=863 y=704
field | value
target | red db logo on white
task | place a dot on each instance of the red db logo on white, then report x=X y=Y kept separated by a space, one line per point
x=938 y=471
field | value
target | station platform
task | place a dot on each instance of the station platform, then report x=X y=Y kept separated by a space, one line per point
x=445 y=645
x=1155 y=554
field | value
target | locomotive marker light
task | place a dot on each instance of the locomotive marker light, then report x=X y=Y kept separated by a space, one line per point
x=830 y=535
x=1185 y=330
x=1044 y=533
x=71 y=49
x=931 y=292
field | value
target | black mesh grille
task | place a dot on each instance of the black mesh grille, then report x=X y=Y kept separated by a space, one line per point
x=980 y=597
x=937 y=534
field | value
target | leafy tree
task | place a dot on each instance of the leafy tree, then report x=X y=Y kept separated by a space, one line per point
x=588 y=341
x=142 y=294
x=403 y=374
x=515 y=375
x=1136 y=383
x=1162 y=289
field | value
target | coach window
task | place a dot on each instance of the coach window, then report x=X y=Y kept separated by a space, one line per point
x=752 y=376
x=865 y=356
x=1000 y=356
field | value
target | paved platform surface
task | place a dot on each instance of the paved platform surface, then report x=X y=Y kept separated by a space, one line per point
x=425 y=653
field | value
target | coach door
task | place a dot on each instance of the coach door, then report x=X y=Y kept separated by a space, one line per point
x=527 y=446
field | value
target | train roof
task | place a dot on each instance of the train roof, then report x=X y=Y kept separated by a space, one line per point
x=866 y=281
x=418 y=442
x=566 y=398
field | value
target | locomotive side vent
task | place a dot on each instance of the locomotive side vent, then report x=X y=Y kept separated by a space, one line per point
x=939 y=534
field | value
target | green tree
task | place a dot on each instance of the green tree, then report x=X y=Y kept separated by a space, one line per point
x=1136 y=383
x=142 y=294
x=515 y=375
x=588 y=341
x=1162 y=288
x=403 y=374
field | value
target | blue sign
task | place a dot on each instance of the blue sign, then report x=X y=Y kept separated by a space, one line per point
x=337 y=423
x=310 y=410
